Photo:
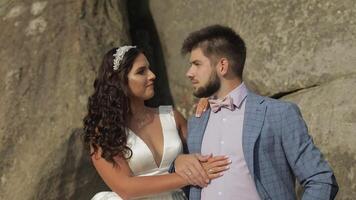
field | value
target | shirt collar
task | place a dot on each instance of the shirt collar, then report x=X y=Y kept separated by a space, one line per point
x=239 y=94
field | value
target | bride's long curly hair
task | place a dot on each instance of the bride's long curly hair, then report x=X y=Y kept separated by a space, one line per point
x=106 y=123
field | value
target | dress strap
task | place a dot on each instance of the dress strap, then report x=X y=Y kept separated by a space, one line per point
x=167 y=113
x=171 y=135
x=165 y=109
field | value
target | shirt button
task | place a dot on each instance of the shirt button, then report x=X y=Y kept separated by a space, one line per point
x=224 y=119
x=222 y=142
x=219 y=193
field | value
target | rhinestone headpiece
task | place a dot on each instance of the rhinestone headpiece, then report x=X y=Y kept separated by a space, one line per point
x=119 y=55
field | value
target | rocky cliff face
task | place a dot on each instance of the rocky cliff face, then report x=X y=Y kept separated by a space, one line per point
x=49 y=53
x=301 y=51
x=330 y=112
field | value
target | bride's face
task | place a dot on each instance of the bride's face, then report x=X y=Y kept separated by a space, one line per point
x=141 y=79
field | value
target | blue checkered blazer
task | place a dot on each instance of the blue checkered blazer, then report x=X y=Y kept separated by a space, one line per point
x=277 y=149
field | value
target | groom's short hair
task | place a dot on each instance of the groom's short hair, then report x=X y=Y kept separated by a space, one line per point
x=218 y=41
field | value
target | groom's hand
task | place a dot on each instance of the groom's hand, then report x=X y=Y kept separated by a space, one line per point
x=188 y=166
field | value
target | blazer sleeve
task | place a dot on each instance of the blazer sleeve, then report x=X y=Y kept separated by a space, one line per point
x=307 y=162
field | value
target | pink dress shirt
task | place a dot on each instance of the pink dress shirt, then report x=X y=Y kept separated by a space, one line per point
x=223 y=136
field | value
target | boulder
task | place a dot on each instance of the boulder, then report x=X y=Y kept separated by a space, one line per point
x=291 y=45
x=50 y=52
x=330 y=113
x=303 y=51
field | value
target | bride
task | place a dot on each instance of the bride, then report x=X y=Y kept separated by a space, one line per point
x=133 y=146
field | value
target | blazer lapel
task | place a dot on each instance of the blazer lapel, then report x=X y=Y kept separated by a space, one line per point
x=196 y=130
x=253 y=121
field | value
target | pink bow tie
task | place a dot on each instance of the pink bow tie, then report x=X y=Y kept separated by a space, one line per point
x=217 y=104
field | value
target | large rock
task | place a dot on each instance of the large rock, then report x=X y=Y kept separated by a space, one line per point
x=330 y=112
x=49 y=52
x=291 y=45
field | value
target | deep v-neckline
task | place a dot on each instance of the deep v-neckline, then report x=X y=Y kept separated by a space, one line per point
x=158 y=165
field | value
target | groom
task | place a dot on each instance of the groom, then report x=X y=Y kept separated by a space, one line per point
x=266 y=139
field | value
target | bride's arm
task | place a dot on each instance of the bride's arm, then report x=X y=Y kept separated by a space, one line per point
x=121 y=181
x=189 y=166
x=198 y=169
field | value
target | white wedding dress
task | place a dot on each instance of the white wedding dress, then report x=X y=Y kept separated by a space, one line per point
x=142 y=162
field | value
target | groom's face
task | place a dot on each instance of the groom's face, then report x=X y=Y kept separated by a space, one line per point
x=202 y=74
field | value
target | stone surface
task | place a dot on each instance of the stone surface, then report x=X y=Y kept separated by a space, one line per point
x=303 y=50
x=49 y=53
x=330 y=113
x=301 y=43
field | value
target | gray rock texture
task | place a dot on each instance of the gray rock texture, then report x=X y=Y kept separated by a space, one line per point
x=49 y=52
x=303 y=51
x=330 y=112
x=301 y=43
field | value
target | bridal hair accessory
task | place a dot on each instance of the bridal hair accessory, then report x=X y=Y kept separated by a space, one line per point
x=119 y=55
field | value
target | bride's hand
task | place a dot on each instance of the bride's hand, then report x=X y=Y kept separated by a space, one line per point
x=202 y=105
x=215 y=166
x=188 y=167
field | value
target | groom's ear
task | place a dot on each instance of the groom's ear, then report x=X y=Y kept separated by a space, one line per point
x=223 y=66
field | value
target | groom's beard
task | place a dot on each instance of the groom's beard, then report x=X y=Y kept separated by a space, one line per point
x=210 y=88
